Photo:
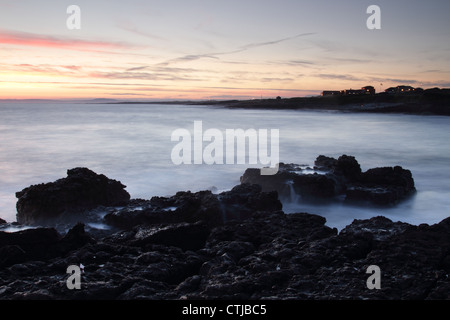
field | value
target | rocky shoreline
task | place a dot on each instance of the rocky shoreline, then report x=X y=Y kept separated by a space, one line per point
x=431 y=102
x=237 y=245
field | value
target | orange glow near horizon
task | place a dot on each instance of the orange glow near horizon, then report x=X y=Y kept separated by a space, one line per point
x=62 y=91
x=208 y=80
x=40 y=66
x=76 y=80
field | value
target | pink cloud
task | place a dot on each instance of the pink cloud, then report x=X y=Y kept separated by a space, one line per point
x=46 y=69
x=46 y=41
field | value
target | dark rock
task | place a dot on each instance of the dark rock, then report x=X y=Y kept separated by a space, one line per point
x=290 y=181
x=75 y=238
x=235 y=249
x=292 y=178
x=413 y=261
x=269 y=255
x=348 y=167
x=39 y=244
x=236 y=204
x=336 y=179
x=144 y=290
x=396 y=176
x=325 y=163
x=32 y=244
x=243 y=200
x=11 y=254
x=381 y=228
x=382 y=186
x=313 y=186
x=235 y=245
x=2 y=221
x=187 y=236
x=276 y=182
x=82 y=189
x=182 y=207
x=189 y=284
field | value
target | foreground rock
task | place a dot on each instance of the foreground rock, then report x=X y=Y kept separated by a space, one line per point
x=39 y=244
x=333 y=179
x=234 y=245
x=236 y=204
x=269 y=255
x=82 y=189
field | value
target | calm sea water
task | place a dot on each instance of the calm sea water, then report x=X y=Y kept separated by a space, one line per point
x=132 y=143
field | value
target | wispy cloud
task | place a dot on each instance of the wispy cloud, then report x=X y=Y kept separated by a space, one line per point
x=433 y=71
x=150 y=76
x=45 y=69
x=269 y=43
x=296 y=63
x=427 y=84
x=130 y=27
x=277 y=79
x=126 y=94
x=337 y=76
x=166 y=70
x=137 y=68
x=246 y=47
x=351 y=60
x=191 y=57
x=254 y=89
x=395 y=80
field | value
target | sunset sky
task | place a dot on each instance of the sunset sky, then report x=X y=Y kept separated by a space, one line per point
x=217 y=49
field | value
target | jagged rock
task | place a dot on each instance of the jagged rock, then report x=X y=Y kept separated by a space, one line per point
x=269 y=255
x=336 y=179
x=39 y=244
x=235 y=245
x=348 y=167
x=325 y=163
x=236 y=204
x=314 y=186
x=27 y=245
x=187 y=236
x=298 y=179
x=383 y=186
x=381 y=228
x=75 y=238
x=82 y=189
x=11 y=254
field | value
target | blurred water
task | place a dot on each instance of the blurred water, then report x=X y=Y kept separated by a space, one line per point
x=131 y=143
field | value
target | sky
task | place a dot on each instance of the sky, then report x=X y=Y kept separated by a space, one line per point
x=219 y=49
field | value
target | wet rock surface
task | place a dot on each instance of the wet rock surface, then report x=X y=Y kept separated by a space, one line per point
x=339 y=179
x=39 y=244
x=234 y=245
x=236 y=204
x=270 y=255
x=81 y=189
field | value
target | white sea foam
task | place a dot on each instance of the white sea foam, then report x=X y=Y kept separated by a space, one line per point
x=12 y=228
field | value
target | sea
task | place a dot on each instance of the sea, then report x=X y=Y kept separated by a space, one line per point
x=133 y=143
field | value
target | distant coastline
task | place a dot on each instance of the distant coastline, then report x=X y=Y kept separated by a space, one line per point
x=429 y=102
x=433 y=101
